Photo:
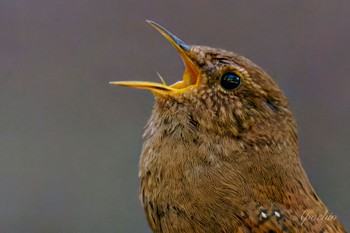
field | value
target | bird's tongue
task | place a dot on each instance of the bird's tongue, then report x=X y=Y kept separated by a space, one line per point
x=190 y=79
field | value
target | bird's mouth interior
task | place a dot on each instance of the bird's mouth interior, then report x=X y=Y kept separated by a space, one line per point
x=190 y=77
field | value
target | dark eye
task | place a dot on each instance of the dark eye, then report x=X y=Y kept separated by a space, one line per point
x=230 y=81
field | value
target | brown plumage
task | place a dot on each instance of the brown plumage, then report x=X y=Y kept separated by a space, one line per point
x=221 y=152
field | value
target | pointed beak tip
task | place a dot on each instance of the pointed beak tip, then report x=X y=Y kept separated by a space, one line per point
x=170 y=36
x=153 y=24
x=150 y=21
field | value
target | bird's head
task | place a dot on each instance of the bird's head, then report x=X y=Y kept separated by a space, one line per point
x=220 y=92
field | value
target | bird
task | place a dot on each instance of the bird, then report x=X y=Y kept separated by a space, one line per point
x=220 y=151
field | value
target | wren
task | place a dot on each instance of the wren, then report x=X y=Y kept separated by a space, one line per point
x=221 y=153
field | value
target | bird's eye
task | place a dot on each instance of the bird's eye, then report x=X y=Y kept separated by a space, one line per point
x=230 y=81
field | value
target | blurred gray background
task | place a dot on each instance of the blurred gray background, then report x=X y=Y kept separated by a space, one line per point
x=70 y=142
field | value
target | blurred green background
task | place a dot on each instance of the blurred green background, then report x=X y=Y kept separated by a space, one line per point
x=70 y=142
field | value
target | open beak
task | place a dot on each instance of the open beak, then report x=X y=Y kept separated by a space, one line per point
x=190 y=76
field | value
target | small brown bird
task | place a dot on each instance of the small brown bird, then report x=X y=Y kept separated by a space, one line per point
x=221 y=151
